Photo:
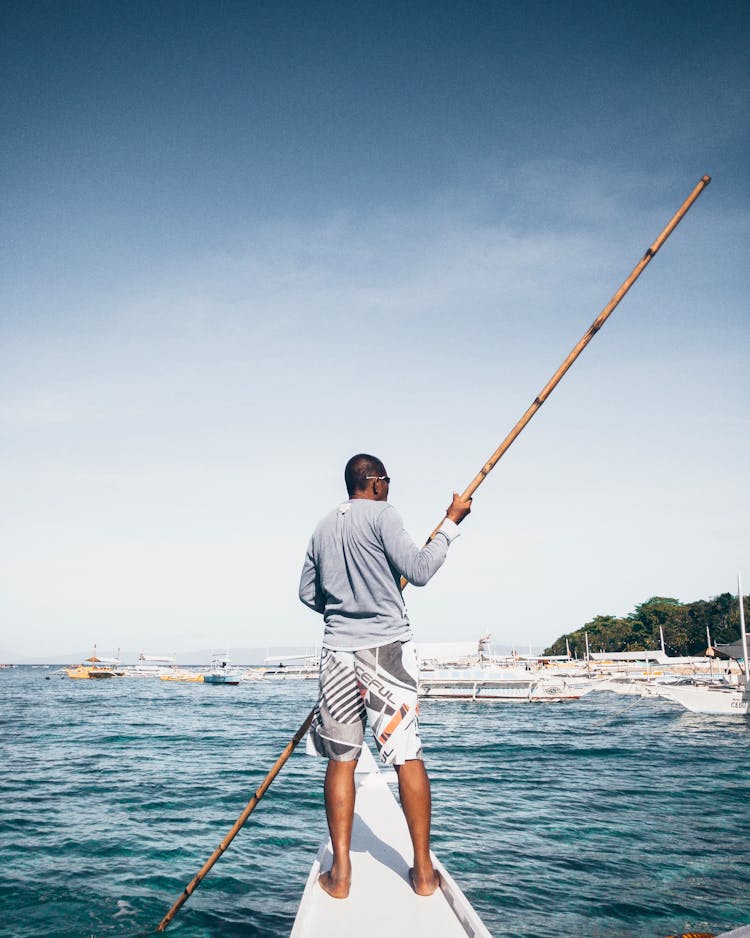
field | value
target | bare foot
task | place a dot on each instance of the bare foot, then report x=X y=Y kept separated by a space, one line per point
x=425 y=886
x=338 y=889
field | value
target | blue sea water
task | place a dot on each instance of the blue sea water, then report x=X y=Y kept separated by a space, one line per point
x=601 y=817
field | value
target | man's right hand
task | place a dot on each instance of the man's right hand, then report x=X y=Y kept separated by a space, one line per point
x=458 y=509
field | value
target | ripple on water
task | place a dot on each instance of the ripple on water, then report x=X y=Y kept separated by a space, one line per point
x=587 y=819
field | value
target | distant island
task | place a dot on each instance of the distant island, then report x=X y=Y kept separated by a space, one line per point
x=684 y=626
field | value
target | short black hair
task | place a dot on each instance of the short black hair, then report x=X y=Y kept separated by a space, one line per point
x=357 y=470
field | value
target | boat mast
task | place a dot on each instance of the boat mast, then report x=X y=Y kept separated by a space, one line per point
x=743 y=632
x=588 y=654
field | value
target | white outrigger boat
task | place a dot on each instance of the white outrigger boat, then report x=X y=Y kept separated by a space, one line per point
x=470 y=671
x=381 y=901
x=151 y=666
x=292 y=668
x=708 y=698
x=716 y=698
x=500 y=684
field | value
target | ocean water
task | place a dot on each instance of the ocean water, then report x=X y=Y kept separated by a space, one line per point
x=601 y=817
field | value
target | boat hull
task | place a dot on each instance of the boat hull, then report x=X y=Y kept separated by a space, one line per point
x=184 y=678
x=727 y=701
x=381 y=858
x=486 y=684
x=86 y=673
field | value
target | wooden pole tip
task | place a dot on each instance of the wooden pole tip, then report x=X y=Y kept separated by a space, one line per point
x=706 y=180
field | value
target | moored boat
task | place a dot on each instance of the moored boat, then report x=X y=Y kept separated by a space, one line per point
x=381 y=858
x=499 y=684
x=95 y=668
x=151 y=666
x=220 y=672
x=470 y=671
x=708 y=698
x=179 y=676
x=717 y=697
x=292 y=668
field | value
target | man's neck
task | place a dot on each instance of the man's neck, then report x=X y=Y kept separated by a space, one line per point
x=370 y=496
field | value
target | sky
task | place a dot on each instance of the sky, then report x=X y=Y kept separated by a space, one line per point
x=243 y=241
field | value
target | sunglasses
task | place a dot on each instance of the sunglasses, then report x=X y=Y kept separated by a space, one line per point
x=380 y=478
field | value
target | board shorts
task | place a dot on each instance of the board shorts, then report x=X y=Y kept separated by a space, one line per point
x=375 y=684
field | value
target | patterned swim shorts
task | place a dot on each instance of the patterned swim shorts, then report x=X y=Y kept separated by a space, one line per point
x=375 y=684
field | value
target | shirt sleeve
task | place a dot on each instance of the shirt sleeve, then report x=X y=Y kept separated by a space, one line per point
x=310 y=592
x=415 y=564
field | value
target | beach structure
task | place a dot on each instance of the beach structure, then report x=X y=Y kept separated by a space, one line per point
x=381 y=855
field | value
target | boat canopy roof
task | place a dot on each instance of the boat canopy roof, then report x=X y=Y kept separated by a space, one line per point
x=650 y=654
x=730 y=650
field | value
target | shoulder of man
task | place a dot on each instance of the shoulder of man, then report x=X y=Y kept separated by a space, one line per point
x=362 y=508
x=386 y=514
x=371 y=513
x=329 y=518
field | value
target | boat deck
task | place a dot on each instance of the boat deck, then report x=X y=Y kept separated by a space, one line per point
x=381 y=901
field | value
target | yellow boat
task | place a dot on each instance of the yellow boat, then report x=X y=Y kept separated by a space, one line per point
x=94 y=669
x=183 y=676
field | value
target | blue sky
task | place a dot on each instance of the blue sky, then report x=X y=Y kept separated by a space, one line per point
x=244 y=241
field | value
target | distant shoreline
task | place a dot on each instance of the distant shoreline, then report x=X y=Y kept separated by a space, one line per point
x=241 y=657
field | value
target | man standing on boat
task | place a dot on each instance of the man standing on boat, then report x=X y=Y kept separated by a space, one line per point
x=368 y=669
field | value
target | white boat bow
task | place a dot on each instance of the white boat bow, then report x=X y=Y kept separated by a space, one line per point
x=381 y=900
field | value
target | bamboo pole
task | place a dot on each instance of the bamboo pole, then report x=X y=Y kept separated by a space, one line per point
x=579 y=347
x=251 y=805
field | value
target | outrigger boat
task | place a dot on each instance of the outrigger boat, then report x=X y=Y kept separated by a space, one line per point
x=95 y=668
x=708 y=698
x=381 y=858
x=465 y=671
x=719 y=698
x=292 y=668
x=500 y=684
x=151 y=666
x=182 y=677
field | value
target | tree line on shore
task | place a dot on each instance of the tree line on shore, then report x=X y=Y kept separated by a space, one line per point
x=684 y=626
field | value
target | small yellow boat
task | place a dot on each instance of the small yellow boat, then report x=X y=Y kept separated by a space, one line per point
x=183 y=676
x=95 y=669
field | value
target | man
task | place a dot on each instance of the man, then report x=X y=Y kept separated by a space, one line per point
x=368 y=669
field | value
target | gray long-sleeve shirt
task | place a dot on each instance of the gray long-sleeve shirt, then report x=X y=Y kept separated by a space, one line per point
x=351 y=574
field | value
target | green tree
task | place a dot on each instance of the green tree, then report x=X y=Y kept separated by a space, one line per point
x=684 y=626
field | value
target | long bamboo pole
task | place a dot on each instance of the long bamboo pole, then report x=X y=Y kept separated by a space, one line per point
x=579 y=347
x=251 y=805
